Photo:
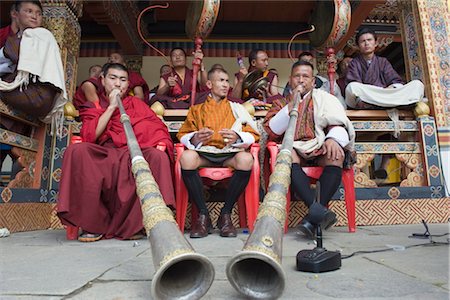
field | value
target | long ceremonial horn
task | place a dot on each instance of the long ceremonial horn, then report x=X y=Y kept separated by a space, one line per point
x=180 y=272
x=256 y=271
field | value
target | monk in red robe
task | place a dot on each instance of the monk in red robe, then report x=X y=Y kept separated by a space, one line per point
x=97 y=188
x=174 y=90
x=138 y=86
x=89 y=89
x=11 y=29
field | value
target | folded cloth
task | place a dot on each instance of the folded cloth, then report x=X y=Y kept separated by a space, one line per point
x=39 y=57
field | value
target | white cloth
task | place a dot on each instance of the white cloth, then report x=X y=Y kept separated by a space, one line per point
x=339 y=134
x=242 y=117
x=410 y=93
x=279 y=123
x=186 y=140
x=39 y=57
x=327 y=112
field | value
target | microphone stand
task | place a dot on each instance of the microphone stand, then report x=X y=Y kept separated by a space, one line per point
x=319 y=259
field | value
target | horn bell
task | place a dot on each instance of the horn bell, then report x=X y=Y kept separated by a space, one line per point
x=256 y=272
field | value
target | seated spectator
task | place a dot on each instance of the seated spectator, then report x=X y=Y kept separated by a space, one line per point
x=324 y=136
x=138 y=86
x=11 y=29
x=165 y=69
x=175 y=88
x=372 y=83
x=259 y=61
x=88 y=89
x=320 y=81
x=97 y=188
x=6 y=66
x=217 y=66
x=213 y=125
x=36 y=85
x=95 y=71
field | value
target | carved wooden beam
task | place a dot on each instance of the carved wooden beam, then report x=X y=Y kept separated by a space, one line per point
x=120 y=17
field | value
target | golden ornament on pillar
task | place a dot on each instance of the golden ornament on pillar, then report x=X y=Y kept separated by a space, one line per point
x=70 y=112
x=250 y=108
x=158 y=108
x=422 y=109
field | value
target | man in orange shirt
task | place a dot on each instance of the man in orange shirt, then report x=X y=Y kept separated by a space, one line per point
x=217 y=125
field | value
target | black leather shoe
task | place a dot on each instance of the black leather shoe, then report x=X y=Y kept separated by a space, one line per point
x=201 y=227
x=328 y=220
x=307 y=228
x=226 y=226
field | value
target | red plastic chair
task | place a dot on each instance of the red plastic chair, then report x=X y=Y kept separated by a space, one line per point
x=73 y=231
x=348 y=180
x=247 y=204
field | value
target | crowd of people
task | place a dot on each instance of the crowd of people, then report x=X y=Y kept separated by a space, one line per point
x=97 y=191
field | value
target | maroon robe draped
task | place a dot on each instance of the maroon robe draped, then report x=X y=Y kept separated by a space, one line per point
x=79 y=99
x=5 y=32
x=38 y=98
x=179 y=97
x=97 y=188
x=135 y=80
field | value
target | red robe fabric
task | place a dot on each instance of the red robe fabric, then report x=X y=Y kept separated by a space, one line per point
x=79 y=99
x=97 y=188
x=5 y=32
x=135 y=80
x=179 y=97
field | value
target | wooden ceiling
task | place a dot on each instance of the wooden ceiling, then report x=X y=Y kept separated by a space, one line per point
x=243 y=19
x=248 y=18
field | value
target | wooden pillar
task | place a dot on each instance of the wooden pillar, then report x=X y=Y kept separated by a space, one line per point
x=429 y=60
x=411 y=51
x=61 y=18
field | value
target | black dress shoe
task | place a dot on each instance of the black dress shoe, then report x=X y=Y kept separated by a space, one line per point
x=226 y=226
x=328 y=220
x=201 y=227
x=307 y=228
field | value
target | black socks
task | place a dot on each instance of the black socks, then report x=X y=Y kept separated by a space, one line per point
x=301 y=185
x=329 y=183
x=194 y=185
x=237 y=185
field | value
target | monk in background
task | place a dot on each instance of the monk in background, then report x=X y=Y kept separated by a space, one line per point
x=174 y=90
x=138 y=86
x=258 y=61
x=88 y=90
